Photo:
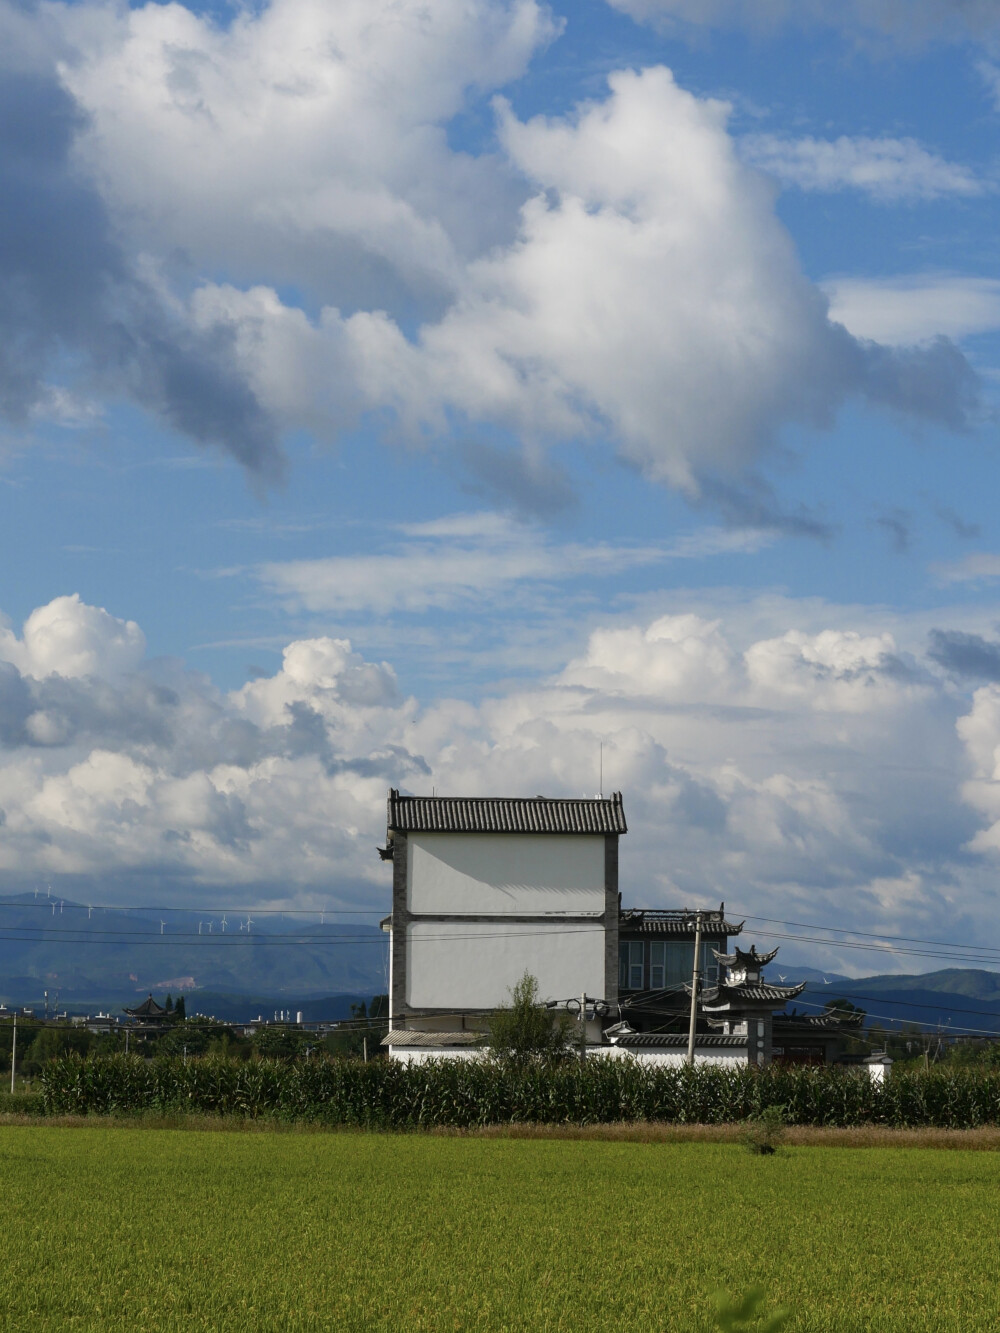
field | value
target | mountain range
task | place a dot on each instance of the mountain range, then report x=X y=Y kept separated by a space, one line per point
x=236 y=967
x=106 y=957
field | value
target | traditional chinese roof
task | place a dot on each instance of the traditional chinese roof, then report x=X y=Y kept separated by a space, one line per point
x=148 y=1009
x=748 y=958
x=410 y=1037
x=647 y=921
x=504 y=814
x=679 y=1040
x=758 y=992
x=829 y=1021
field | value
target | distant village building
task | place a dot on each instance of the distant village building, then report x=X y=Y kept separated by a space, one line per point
x=485 y=889
x=148 y=1012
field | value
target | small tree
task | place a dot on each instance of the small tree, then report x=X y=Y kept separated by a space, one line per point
x=526 y=1029
x=179 y=1009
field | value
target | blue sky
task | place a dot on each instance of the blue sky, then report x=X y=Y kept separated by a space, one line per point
x=428 y=394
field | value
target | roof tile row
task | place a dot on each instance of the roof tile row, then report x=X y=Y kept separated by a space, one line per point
x=496 y=814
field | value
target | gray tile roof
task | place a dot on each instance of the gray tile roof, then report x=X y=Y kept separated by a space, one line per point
x=679 y=1041
x=504 y=814
x=757 y=991
x=408 y=1037
x=647 y=921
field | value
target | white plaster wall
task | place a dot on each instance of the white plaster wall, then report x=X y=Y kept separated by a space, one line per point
x=475 y=964
x=419 y=1055
x=487 y=874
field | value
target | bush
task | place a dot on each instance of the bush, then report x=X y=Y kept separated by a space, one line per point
x=763 y=1133
x=526 y=1029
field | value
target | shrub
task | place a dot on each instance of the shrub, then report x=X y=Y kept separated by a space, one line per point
x=526 y=1029
x=763 y=1133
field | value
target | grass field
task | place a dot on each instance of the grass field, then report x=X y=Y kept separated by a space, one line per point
x=115 y=1229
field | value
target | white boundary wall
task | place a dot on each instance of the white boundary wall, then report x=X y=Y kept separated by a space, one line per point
x=711 y=1055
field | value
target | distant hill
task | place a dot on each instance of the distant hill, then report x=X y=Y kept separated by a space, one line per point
x=959 y=1000
x=107 y=957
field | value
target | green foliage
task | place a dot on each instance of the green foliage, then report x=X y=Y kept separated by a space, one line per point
x=747 y=1314
x=369 y=1026
x=843 y=1009
x=180 y=1012
x=764 y=1132
x=526 y=1030
x=464 y=1094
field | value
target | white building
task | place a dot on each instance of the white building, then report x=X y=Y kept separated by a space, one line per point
x=485 y=889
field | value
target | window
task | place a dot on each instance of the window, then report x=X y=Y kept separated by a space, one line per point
x=680 y=963
x=657 y=966
x=630 y=965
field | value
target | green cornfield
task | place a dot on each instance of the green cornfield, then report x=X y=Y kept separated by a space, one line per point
x=117 y=1229
x=386 y=1094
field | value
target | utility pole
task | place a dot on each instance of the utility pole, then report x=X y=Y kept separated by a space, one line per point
x=364 y=1047
x=583 y=1026
x=13 y=1053
x=695 y=978
x=126 y=1041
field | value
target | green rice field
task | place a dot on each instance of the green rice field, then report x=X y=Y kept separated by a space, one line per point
x=149 y=1229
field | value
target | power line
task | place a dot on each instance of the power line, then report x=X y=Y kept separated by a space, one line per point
x=845 y=930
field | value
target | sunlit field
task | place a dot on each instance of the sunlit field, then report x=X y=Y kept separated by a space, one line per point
x=119 y=1228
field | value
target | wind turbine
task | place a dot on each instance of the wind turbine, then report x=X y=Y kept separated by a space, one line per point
x=249 y=923
x=825 y=982
x=223 y=923
x=780 y=977
x=163 y=925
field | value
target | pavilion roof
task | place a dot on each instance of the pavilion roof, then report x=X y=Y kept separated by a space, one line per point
x=746 y=957
x=148 y=1009
x=754 y=992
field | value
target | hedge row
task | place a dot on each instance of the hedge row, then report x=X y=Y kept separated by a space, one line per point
x=390 y=1095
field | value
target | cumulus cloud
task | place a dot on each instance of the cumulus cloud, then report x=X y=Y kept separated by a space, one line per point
x=809 y=768
x=651 y=297
x=73 y=306
x=305 y=142
x=965 y=654
x=263 y=227
x=890 y=170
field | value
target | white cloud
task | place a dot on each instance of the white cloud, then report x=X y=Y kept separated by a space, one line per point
x=908 y=20
x=69 y=638
x=463 y=558
x=651 y=297
x=304 y=142
x=889 y=170
x=809 y=770
x=913 y=309
x=979 y=567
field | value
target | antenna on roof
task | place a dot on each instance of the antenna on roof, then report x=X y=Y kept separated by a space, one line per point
x=601 y=787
